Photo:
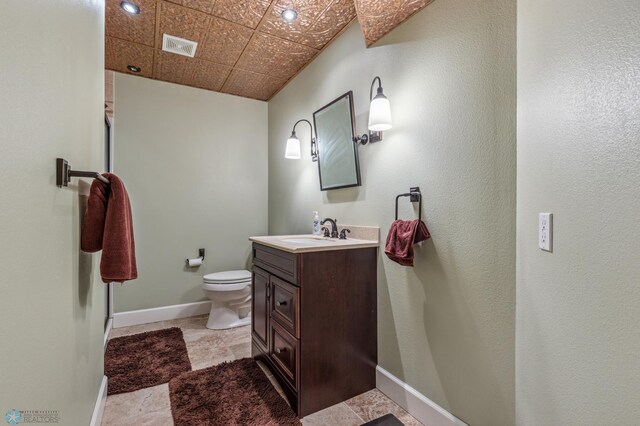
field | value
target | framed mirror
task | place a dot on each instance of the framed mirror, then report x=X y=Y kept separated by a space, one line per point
x=338 y=165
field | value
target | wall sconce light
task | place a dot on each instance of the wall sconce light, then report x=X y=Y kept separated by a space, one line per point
x=293 y=144
x=379 y=115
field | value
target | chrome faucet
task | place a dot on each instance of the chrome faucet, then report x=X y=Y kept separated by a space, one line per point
x=334 y=226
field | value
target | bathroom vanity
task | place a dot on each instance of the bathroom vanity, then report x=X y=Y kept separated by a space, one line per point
x=314 y=318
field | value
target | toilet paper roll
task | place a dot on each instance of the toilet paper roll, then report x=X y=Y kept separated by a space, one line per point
x=191 y=263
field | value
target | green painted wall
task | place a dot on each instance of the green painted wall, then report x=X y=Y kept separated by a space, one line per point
x=578 y=310
x=195 y=165
x=446 y=327
x=52 y=304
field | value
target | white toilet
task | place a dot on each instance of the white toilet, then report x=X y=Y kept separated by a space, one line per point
x=230 y=295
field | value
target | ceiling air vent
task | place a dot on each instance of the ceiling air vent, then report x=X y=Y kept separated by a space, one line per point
x=179 y=45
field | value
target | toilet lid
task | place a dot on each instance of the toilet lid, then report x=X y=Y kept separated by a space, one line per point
x=228 y=277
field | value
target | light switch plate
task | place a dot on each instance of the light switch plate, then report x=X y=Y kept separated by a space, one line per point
x=545 y=231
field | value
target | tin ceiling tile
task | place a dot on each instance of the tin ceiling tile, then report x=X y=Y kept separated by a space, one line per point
x=273 y=56
x=190 y=71
x=243 y=12
x=334 y=19
x=224 y=42
x=202 y=5
x=172 y=68
x=207 y=75
x=137 y=28
x=318 y=22
x=308 y=12
x=183 y=22
x=263 y=60
x=120 y=53
x=378 y=17
x=252 y=85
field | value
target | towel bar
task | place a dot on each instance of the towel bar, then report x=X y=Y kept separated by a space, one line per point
x=64 y=173
x=414 y=195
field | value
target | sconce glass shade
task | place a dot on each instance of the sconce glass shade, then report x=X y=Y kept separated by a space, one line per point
x=380 y=113
x=293 y=148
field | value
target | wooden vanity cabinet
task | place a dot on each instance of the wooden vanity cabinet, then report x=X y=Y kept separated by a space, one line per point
x=314 y=323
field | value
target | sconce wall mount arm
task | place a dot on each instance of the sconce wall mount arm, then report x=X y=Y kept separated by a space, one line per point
x=379 y=115
x=293 y=144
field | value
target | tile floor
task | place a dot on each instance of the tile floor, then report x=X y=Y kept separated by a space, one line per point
x=206 y=347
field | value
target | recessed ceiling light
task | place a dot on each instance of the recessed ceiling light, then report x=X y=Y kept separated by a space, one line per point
x=133 y=68
x=130 y=7
x=289 y=15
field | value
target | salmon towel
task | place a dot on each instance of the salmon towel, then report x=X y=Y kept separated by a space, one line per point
x=108 y=226
x=403 y=234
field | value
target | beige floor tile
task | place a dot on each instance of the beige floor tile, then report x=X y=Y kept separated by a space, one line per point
x=206 y=347
x=373 y=404
x=336 y=415
x=234 y=336
x=149 y=406
x=189 y=323
x=135 y=329
x=194 y=328
x=149 y=419
x=241 y=350
x=208 y=350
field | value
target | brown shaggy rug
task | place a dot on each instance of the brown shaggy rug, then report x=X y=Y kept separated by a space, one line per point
x=231 y=394
x=146 y=359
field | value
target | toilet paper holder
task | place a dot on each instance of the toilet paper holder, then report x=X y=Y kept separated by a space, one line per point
x=200 y=257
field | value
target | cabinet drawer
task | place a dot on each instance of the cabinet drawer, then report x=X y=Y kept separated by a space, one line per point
x=285 y=305
x=278 y=262
x=284 y=353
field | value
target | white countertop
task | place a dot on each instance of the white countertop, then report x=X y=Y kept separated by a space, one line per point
x=310 y=243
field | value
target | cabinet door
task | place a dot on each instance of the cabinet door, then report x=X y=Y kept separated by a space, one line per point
x=260 y=306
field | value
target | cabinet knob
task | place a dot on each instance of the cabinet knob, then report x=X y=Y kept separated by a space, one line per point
x=281 y=303
x=280 y=350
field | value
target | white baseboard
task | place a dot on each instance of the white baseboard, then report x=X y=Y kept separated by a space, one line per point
x=164 y=313
x=98 y=409
x=107 y=330
x=419 y=406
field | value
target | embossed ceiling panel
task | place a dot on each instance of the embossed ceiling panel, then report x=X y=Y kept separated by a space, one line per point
x=308 y=12
x=225 y=42
x=318 y=21
x=273 y=56
x=252 y=85
x=202 y=5
x=137 y=28
x=244 y=46
x=120 y=53
x=183 y=22
x=330 y=23
x=378 y=17
x=243 y=12
x=190 y=72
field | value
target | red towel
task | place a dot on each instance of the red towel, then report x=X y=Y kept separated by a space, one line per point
x=108 y=226
x=403 y=234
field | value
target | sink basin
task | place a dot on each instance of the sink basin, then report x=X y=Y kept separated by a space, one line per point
x=310 y=240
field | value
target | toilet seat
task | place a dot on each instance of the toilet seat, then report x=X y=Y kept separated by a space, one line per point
x=225 y=287
x=228 y=277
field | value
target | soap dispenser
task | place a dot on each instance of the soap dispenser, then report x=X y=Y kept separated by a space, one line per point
x=316 y=224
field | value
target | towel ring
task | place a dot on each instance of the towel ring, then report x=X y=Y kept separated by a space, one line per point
x=414 y=195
